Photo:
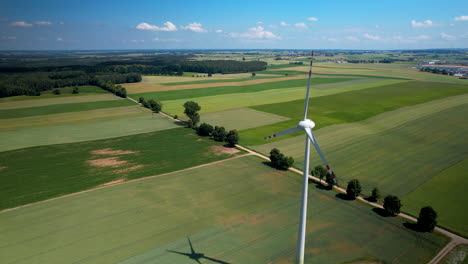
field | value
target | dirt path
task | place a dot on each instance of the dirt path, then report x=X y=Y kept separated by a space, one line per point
x=455 y=239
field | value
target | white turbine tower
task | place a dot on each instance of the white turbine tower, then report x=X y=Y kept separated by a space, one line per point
x=305 y=125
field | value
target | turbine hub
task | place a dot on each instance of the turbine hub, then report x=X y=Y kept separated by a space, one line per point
x=307 y=123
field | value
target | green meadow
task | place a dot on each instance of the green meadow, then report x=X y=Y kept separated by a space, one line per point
x=230 y=101
x=222 y=90
x=399 y=152
x=349 y=107
x=236 y=211
x=56 y=170
x=62 y=108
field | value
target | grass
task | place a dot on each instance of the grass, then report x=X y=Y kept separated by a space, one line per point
x=222 y=90
x=229 y=101
x=62 y=108
x=351 y=106
x=82 y=126
x=401 y=153
x=241 y=118
x=458 y=255
x=237 y=211
x=35 y=101
x=57 y=170
x=443 y=192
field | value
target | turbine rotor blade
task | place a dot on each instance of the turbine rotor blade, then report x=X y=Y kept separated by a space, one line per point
x=287 y=131
x=311 y=136
x=306 y=103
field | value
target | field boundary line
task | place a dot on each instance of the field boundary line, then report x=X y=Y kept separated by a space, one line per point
x=133 y=180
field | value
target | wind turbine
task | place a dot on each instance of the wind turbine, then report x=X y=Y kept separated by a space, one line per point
x=305 y=125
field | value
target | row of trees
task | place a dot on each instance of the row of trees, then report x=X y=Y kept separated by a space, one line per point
x=427 y=219
x=279 y=160
x=33 y=83
x=218 y=133
x=151 y=104
x=437 y=71
x=115 y=89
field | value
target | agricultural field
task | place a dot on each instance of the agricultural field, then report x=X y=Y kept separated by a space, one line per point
x=270 y=96
x=236 y=211
x=61 y=169
x=350 y=106
x=399 y=152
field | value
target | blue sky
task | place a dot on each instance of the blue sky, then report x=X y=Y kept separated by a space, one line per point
x=176 y=24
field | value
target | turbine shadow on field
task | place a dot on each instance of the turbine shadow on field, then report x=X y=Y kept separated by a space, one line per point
x=197 y=256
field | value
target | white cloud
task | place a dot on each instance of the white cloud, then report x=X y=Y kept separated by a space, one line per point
x=169 y=26
x=447 y=36
x=8 y=37
x=461 y=18
x=284 y=24
x=43 y=23
x=352 y=38
x=255 y=33
x=332 y=40
x=195 y=27
x=312 y=19
x=301 y=25
x=427 y=23
x=259 y=22
x=272 y=26
x=219 y=31
x=167 y=40
x=377 y=26
x=59 y=39
x=422 y=37
x=21 y=24
x=372 y=37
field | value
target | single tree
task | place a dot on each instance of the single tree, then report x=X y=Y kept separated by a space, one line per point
x=209 y=74
x=320 y=172
x=205 y=129
x=243 y=58
x=375 y=196
x=232 y=138
x=279 y=161
x=157 y=107
x=176 y=117
x=427 y=219
x=141 y=99
x=392 y=205
x=191 y=110
x=254 y=74
x=353 y=189
x=76 y=90
x=219 y=133
x=56 y=91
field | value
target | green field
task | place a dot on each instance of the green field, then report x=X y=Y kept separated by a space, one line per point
x=229 y=101
x=350 y=106
x=218 y=80
x=451 y=185
x=232 y=90
x=62 y=108
x=80 y=126
x=56 y=170
x=35 y=101
x=87 y=89
x=398 y=152
x=241 y=118
x=238 y=211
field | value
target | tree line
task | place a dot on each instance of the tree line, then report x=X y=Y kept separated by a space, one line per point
x=33 y=83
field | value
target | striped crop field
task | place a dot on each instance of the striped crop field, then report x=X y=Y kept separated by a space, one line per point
x=397 y=151
x=235 y=211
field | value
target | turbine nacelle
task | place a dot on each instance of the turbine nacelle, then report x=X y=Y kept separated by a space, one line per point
x=307 y=123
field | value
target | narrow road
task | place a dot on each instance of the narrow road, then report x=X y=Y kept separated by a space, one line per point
x=455 y=239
